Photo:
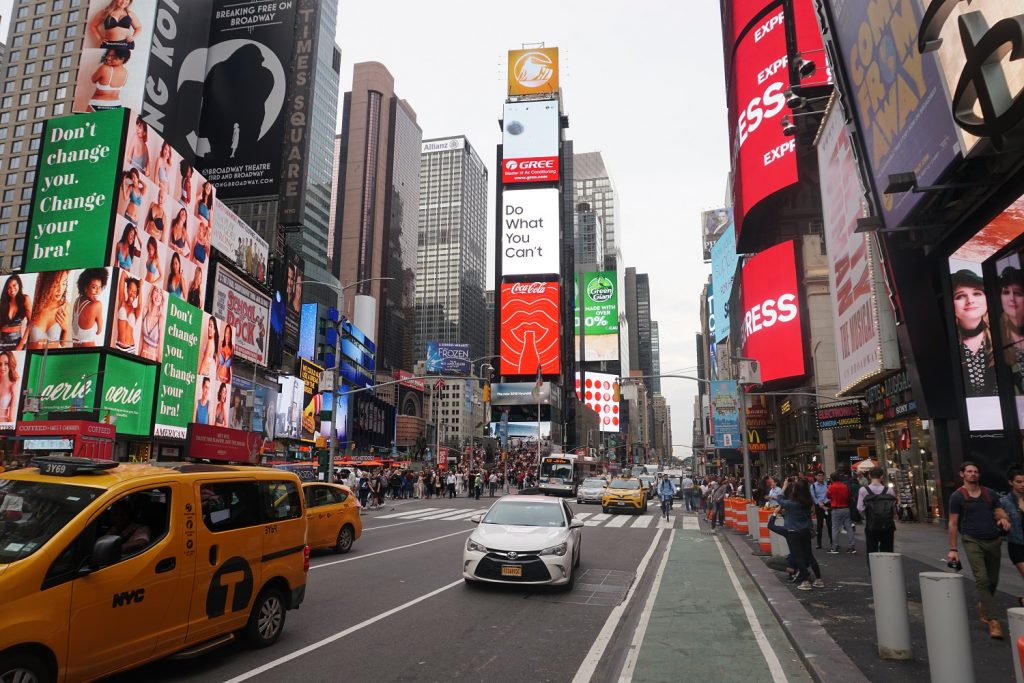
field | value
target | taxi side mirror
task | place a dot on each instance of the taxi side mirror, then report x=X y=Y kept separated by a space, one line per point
x=105 y=552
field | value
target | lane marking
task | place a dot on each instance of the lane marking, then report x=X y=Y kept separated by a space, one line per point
x=618 y=521
x=642 y=522
x=339 y=635
x=454 y=515
x=691 y=524
x=406 y=513
x=645 y=617
x=774 y=666
x=593 y=658
x=389 y=550
x=669 y=524
x=596 y=519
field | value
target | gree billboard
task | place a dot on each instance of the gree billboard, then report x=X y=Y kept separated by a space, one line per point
x=529 y=232
x=530 y=142
x=74 y=193
x=530 y=328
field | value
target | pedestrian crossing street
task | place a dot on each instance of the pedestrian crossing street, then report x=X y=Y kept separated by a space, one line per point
x=590 y=519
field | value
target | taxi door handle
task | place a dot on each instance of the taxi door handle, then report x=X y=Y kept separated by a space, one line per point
x=166 y=565
x=213 y=554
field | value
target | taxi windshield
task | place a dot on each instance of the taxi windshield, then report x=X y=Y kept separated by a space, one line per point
x=32 y=512
x=624 y=484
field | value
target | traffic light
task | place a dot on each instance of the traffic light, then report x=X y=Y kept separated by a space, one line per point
x=616 y=393
x=487 y=392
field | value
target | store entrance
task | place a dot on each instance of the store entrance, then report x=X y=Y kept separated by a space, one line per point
x=910 y=467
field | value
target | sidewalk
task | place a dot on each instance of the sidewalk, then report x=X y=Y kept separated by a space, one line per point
x=844 y=607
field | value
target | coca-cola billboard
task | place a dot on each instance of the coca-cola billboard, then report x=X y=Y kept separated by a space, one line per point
x=772 y=327
x=530 y=332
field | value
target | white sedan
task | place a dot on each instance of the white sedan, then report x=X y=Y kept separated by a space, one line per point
x=524 y=539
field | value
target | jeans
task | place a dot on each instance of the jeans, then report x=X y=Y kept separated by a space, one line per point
x=841 y=521
x=877 y=542
x=690 y=500
x=719 y=517
x=824 y=515
x=803 y=556
x=984 y=556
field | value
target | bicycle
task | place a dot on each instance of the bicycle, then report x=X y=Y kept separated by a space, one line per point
x=666 y=506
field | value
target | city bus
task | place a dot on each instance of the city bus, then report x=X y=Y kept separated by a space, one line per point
x=561 y=473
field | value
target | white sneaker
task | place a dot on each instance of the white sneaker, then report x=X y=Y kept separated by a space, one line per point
x=818 y=583
x=805 y=586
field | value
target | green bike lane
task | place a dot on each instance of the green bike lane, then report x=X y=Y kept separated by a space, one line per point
x=706 y=619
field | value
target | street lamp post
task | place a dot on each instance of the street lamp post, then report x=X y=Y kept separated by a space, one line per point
x=332 y=437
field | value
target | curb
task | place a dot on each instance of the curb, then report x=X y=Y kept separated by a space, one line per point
x=824 y=659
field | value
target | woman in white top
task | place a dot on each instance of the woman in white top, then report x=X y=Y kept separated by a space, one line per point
x=48 y=326
x=8 y=387
x=87 y=323
x=109 y=79
x=127 y=315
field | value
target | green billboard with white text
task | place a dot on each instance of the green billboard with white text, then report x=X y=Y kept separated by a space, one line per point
x=74 y=199
x=69 y=383
x=127 y=399
x=177 y=393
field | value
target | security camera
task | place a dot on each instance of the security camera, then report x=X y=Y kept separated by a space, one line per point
x=794 y=101
x=805 y=68
x=788 y=127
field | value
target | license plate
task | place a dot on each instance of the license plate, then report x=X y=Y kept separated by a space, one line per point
x=622 y=502
x=513 y=570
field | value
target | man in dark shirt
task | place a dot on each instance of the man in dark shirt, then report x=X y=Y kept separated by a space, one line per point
x=973 y=512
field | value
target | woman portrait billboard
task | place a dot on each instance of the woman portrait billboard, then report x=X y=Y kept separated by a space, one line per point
x=975 y=344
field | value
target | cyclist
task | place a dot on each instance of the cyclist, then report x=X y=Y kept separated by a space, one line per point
x=666 y=489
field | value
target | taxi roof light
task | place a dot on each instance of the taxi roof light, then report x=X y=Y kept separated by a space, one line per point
x=65 y=466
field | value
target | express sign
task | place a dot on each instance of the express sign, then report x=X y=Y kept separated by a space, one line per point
x=772 y=328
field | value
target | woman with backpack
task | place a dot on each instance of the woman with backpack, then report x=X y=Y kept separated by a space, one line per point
x=876 y=502
x=797 y=505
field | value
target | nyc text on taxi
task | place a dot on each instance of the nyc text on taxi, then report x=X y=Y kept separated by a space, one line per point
x=106 y=566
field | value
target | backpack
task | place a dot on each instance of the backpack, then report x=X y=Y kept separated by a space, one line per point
x=879 y=509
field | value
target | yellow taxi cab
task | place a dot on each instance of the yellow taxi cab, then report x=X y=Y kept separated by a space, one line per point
x=624 y=493
x=105 y=566
x=332 y=516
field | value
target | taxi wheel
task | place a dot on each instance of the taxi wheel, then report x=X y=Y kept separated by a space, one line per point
x=345 y=538
x=23 y=668
x=266 y=621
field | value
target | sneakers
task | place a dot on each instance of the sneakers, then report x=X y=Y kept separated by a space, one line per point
x=805 y=586
x=833 y=551
x=818 y=583
x=852 y=551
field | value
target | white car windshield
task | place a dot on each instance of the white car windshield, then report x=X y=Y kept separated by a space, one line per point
x=526 y=514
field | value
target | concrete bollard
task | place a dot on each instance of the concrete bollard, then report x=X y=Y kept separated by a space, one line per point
x=780 y=546
x=752 y=521
x=892 y=621
x=1015 y=616
x=945 y=627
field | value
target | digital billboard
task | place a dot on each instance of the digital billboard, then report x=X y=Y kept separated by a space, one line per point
x=530 y=329
x=69 y=383
x=246 y=310
x=533 y=71
x=725 y=414
x=128 y=394
x=165 y=217
x=529 y=138
x=59 y=309
x=309 y=373
x=115 y=55
x=599 y=395
x=530 y=232
x=239 y=243
x=859 y=309
x=598 y=306
x=904 y=117
x=448 y=359
x=73 y=200
x=289 y=407
x=724 y=260
x=977 y=348
x=247 y=66
x=772 y=323
x=712 y=225
x=307 y=331
x=12 y=373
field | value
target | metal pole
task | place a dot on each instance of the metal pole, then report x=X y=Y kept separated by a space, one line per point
x=892 y=621
x=332 y=437
x=1015 y=616
x=747 y=483
x=437 y=426
x=945 y=627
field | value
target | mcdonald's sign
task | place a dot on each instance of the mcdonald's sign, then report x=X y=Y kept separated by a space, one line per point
x=754 y=441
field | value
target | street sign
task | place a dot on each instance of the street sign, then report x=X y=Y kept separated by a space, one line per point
x=327 y=380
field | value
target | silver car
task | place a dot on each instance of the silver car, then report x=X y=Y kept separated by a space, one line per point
x=591 y=490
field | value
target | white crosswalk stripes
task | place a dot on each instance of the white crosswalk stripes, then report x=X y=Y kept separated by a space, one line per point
x=642 y=522
x=590 y=519
x=597 y=519
x=618 y=521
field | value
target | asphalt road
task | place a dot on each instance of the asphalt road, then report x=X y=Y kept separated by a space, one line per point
x=395 y=608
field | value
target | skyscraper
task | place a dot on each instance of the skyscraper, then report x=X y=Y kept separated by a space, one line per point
x=451 y=266
x=638 y=312
x=377 y=217
x=593 y=185
x=589 y=237
x=655 y=358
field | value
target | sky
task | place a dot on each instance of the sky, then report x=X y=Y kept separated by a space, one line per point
x=642 y=83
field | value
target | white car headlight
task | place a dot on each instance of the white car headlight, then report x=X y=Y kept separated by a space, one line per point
x=473 y=546
x=555 y=550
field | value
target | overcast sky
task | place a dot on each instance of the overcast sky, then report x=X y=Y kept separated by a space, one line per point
x=642 y=83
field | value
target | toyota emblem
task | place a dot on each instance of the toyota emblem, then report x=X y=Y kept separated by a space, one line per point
x=512 y=556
